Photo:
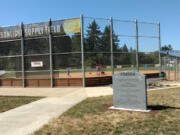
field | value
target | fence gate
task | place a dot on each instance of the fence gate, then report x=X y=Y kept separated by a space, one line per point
x=178 y=69
x=171 y=67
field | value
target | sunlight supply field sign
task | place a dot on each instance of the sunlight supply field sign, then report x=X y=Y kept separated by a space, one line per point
x=36 y=64
x=10 y=32
x=39 y=29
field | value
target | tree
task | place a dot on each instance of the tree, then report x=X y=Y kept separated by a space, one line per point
x=125 y=55
x=148 y=58
x=132 y=56
x=166 y=48
x=93 y=45
x=76 y=47
x=10 y=62
x=106 y=45
x=62 y=44
x=93 y=40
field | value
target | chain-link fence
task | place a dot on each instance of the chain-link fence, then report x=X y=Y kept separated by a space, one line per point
x=113 y=45
x=171 y=67
x=71 y=51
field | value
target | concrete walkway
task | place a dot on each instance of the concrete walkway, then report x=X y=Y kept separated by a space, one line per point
x=45 y=92
x=26 y=119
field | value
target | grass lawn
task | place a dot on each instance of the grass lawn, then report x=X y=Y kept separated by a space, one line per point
x=10 y=102
x=91 y=117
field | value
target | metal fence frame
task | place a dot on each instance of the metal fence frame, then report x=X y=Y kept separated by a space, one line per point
x=171 y=69
x=50 y=36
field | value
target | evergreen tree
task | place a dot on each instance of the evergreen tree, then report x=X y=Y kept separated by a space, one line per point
x=62 y=44
x=106 y=45
x=166 y=48
x=125 y=56
x=93 y=40
x=125 y=49
x=132 y=56
x=76 y=47
x=93 y=45
x=10 y=62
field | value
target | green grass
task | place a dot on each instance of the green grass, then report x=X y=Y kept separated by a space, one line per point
x=91 y=117
x=9 y=75
x=10 y=102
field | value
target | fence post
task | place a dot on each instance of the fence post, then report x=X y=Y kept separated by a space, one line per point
x=137 y=46
x=169 y=68
x=82 y=49
x=175 y=69
x=165 y=66
x=159 y=40
x=22 y=54
x=111 y=43
x=50 y=53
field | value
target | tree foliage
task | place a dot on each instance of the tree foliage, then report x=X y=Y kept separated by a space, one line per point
x=166 y=48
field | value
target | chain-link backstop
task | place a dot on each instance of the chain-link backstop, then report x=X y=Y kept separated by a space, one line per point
x=81 y=51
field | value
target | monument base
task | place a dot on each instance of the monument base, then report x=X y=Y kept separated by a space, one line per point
x=126 y=109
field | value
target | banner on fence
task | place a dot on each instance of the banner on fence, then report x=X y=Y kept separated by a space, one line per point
x=66 y=26
x=39 y=29
x=10 y=32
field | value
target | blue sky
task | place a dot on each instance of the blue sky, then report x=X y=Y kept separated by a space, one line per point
x=12 y=12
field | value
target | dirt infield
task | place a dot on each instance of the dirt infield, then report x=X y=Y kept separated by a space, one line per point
x=95 y=74
x=79 y=74
x=87 y=75
x=74 y=79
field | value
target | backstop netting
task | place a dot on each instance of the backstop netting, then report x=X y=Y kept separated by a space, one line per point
x=69 y=52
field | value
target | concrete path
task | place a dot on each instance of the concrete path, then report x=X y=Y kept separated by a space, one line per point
x=26 y=119
x=45 y=92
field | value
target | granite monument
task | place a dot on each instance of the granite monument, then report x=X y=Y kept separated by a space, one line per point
x=130 y=91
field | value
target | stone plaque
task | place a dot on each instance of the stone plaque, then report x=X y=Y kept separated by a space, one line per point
x=129 y=88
